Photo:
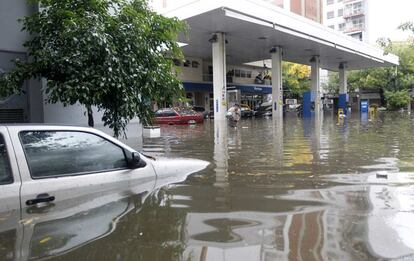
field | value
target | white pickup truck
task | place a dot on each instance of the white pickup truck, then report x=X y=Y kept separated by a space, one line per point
x=50 y=173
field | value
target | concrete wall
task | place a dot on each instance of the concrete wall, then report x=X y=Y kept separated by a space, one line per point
x=10 y=29
x=11 y=47
x=75 y=115
x=33 y=101
x=194 y=71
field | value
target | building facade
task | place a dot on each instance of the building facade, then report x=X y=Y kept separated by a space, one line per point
x=311 y=9
x=348 y=16
x=197 y=74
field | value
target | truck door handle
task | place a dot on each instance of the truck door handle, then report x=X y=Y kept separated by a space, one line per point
x=41 y=198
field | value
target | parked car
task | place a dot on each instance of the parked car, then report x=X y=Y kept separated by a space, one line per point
x=246 y=111
x=178 y=116
x=265 y=109
x=202 y=110
x=55 y=180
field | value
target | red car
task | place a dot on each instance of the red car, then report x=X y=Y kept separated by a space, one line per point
x=178 y=116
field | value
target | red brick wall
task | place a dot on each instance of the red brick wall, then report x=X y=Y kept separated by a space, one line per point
x=296 y=6
x=311 y=11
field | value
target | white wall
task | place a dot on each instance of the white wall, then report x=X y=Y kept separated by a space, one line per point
x=75 y=115
x=333 y=7
x=191 y=73
x=11 y=47
x=11 y=36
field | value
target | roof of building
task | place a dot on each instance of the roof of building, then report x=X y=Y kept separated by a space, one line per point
x=253 y=28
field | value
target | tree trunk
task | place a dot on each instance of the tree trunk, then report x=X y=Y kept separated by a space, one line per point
x=90 y=116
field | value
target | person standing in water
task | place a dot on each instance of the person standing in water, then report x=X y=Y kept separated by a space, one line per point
x=235 y=115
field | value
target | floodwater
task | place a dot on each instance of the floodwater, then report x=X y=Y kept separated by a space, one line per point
x=316 y=189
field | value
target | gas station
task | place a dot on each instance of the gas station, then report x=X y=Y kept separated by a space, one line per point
x=242 y=32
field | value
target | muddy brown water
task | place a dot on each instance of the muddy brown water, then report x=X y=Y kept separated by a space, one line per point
x=329 y=190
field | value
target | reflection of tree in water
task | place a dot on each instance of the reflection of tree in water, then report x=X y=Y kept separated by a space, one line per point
x=157 y=231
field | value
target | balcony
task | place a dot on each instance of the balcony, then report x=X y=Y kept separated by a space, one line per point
x=353 y=13
x=352 y=1
x=354 y=28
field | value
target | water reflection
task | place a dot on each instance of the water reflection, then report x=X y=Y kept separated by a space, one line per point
x=221 y=140
x=301 y=190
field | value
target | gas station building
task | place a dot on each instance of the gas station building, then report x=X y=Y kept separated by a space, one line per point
x=227 y=39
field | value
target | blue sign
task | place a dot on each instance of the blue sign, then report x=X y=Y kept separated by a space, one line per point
x=364 y=106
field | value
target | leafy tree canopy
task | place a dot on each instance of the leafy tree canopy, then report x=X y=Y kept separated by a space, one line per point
x=388 y=79
x=116 y=55
x=296 y=79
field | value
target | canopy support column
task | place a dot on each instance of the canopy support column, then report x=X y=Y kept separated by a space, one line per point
x=343 y=88
x=277 y=88
x=218 y=41
x=315 y=84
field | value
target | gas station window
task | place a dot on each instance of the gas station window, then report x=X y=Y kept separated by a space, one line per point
x=237 y=73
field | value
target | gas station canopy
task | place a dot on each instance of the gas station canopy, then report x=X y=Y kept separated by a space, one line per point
x=252 y=29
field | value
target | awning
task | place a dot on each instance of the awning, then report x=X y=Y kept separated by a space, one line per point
x=253 y=28
x=208 y=87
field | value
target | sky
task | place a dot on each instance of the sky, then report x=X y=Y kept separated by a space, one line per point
x=387 y=15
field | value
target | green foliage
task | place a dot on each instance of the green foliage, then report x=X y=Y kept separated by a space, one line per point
x=296 y=79
x=332 y=85
x=116 y=55
x=397 y=99
x=376 y=78
x=396 y=81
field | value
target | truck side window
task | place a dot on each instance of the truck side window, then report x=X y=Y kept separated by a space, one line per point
x=62 y=153
x=5 y=171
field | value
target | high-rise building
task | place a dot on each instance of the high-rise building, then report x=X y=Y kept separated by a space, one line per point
x=348 y=16
x=311 y=9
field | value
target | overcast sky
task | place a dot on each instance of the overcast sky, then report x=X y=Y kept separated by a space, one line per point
x=388 y=15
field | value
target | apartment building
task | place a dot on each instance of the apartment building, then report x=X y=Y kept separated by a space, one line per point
x=348 y=16
x=311 y=9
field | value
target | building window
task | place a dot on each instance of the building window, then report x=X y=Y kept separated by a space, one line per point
x=357 y=36
x=330 y=14
x=358 y=23
x=194 y=64
x=332 y=27
x=329 y=2
x=340 y=12
x=354 y=9
x=187 y=63
x=237 y=73
x=341 y=26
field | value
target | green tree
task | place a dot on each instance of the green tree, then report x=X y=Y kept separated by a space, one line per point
x=332 y=85
x=399 y=79
x=397 y=99
x=116 y=55
x=296 y=79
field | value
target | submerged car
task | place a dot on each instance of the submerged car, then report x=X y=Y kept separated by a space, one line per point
x=177 y=116
x=246 y=111
x=63 y=187
x=202 y=110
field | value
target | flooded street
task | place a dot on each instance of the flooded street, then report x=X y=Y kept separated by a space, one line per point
x=306 y=190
